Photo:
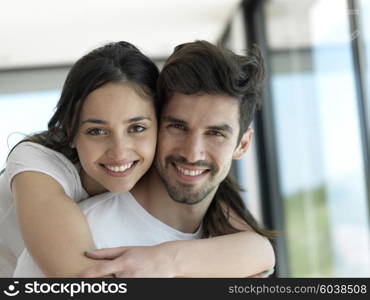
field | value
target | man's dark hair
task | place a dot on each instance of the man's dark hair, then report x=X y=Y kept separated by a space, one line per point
x=201 y=67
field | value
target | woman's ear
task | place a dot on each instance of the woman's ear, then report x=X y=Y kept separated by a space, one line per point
x=243 y=144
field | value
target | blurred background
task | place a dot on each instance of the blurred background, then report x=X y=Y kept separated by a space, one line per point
x=307 y=173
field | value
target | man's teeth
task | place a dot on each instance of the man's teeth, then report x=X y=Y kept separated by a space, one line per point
x=190 y=172
x=121 y=168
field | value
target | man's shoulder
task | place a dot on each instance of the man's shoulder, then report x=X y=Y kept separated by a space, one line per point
x=104 y=200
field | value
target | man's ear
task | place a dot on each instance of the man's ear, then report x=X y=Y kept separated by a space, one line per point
x=243 y=144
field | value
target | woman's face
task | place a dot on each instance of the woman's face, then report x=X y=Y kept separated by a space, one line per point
x=116 y=138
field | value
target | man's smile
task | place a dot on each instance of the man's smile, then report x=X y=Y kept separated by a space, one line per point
x=190 y=174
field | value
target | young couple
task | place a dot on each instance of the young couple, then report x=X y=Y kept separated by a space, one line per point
x=152 y=152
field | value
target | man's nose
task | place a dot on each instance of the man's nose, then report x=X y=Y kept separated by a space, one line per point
x=193 y=148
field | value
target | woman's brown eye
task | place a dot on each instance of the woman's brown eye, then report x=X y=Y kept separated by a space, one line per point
x=96 y=131
x=137 y=128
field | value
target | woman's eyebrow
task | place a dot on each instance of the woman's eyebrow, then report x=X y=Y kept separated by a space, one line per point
x=137 y=119
x=95 y=121
x=131 y=120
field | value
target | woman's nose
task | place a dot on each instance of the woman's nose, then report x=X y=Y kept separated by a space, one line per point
x=118 y=147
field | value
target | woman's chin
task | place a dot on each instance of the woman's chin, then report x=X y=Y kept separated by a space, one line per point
x=121 y=188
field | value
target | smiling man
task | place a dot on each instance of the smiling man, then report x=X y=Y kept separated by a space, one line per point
x=196 y=149
x=209 y=98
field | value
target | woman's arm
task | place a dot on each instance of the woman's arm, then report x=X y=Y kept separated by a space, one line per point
x=53 y=227
x=242 y=254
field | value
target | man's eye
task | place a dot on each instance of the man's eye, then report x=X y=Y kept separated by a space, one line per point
x=177 y=126
x=96 y=131
x=216 y=133
x=136 y=129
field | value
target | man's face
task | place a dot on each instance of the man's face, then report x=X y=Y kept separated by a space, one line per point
x=196 y=144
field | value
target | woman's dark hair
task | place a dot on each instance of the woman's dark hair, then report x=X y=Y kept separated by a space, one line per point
x=201 y=67
x=114 y=62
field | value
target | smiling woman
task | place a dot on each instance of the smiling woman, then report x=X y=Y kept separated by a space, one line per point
x=45 y=174
x=116 y=139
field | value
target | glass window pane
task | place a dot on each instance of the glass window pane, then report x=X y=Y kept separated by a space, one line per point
x=22 y=114
x=27 y=101
x=363 y=34
x=246 y=169
x=319 y=149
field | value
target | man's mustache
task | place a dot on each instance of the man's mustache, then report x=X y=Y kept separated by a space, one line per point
x=183 y=160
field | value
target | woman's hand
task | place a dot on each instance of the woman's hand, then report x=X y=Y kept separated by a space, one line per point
x=132 y=261
x=242 y=254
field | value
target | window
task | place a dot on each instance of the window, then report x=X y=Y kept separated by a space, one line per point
x=318 y=138
x=361 y=13
x=27 y=101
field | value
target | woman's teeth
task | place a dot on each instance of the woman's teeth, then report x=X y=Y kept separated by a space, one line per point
x=121 y=168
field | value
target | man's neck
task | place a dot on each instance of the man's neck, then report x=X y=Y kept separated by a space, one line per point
x=152 y=195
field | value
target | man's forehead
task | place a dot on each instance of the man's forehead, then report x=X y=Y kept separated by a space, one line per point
x=179 y=100
x=205 y=108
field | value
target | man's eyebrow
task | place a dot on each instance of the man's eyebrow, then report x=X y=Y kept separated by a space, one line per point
x=173 y=120
x=222 y=127
x=131 y=120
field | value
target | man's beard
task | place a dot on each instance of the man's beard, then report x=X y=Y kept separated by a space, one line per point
x=186 y=193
